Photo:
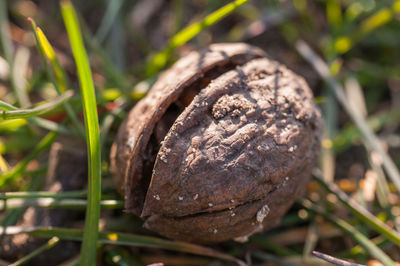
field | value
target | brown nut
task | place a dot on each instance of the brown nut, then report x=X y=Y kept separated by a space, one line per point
x=221 y=146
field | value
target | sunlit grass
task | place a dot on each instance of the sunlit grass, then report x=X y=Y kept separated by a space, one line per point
x=89 y=244
x=372 y=249
x=57 y=73
x=344 y=38
x=11 y=112
x=158 y=61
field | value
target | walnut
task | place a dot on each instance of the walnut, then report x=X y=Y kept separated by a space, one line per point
x=221 y=146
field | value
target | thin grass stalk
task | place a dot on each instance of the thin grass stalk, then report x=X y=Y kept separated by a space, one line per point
x=112 y=11
x=323 y=70
x=59 y=79
x=44 y=123
x=20 y=167
x=44 y=45
x=42 y=194
x=360 y=211
x=6 y=106
x=357 y=99
x=89 y=244
x=11 y=204
x=158 y=61
x=367 y=244
x=123 y=239
x=350 y=134
x=311 y=239
x=51 y=243
x=50 y=125
x=40 y=110
x=12 y=217
x=110 y=69
x=334 y=260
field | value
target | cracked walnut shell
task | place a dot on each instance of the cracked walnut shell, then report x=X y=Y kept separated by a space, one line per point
x=221 y=146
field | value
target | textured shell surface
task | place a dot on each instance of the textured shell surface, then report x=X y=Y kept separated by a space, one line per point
x=221 y=146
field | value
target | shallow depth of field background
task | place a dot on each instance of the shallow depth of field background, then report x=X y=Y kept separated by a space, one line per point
x=128 y=43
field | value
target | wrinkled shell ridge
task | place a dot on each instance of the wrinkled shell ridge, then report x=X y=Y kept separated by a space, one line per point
x=236 y=156
x=135 y=132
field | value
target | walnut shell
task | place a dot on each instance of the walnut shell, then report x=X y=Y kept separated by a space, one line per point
x=221 y=146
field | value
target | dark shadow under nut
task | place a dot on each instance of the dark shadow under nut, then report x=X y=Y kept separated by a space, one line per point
x=220 y=148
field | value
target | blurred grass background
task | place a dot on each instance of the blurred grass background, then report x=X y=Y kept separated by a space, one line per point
x=348 y=51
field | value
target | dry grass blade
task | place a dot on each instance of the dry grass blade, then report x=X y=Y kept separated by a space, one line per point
x=334 y=260
x=350 y=230
x=360 y=211
x=323 y=70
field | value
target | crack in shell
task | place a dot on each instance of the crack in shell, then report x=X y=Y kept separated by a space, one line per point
x=207 y=154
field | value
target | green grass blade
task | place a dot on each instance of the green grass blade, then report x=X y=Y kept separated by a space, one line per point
x=49 y=125
x=360 y=211
x=113 y=8
x=367 y=244
x=7 y=125
x=51 y=243
x=78 y=194
x=6 y=106
x=125 y=239
x=351 y=134
x=88 y=249
x=19 y=168
x=42 y=194
x=344 y=43
x=12 y=204
x=40 y=110
x=158 y=61
x=112 y=72
x=370 y=138
x=59 y=79
x=48 y=51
